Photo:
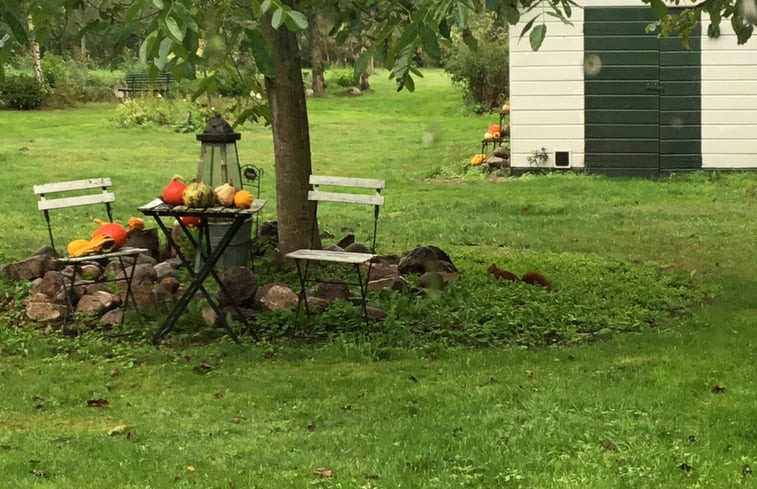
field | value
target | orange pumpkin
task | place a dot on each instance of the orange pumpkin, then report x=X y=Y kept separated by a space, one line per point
x=114 y=231
x=172 y=193
x=243 y=199
x=191 y=221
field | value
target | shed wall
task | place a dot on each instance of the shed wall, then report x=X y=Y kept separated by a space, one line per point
x=547 y=93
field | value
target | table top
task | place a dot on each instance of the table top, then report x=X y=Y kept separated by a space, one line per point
x=158 y=207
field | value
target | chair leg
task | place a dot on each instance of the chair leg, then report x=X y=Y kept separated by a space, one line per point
x=128 y=276
x=69 y=291
x=363 y=290
x=302 y=296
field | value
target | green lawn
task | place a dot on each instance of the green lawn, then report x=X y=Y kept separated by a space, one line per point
x=668 y=405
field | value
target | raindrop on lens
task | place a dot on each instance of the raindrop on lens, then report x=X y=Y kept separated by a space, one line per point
x=592 y=65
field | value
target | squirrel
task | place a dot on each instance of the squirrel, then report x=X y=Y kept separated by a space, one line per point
x=531 y=278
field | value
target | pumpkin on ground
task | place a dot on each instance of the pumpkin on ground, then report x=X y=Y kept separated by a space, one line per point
x=199 y=194
x=243 y=199
x=478 y=159
x=172 y=193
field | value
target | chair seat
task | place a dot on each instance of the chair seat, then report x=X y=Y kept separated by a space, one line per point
x=125 y=251
x=331 y=256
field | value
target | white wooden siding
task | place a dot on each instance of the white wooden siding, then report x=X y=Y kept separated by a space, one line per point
x=547 y=92
x=729 y=100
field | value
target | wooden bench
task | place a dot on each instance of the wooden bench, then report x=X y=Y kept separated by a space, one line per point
x=308 y=255
x=75 y=193
x=139 y=83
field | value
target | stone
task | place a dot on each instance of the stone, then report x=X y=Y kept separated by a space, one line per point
x=330 y=290
x=145 y=238
x=143 y=273
x=380 y=270
x=438 y=280
x=143 y=258
x=241 y=285
x=91 y=271
x=346 y=241
x=426 y=259
x=170 y=284
x=144 y=296
x=502 y=152
x=275 y=297
x=29 y=269
x=495 y=162
x=375 y=313
x=90 y=305
x=354 y=92
x=333 y=247
x=358 y=248
x=394 y=283
x=44 y=311
x=51 y=287
x=270 y=231
x=112 y=318
x=163 y=269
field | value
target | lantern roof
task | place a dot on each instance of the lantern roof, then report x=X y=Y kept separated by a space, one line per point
x=218 y=131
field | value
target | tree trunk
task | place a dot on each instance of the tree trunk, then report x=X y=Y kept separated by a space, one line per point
x=36 y=58
x=291 y=141
x=316 y=53
x=365 y=84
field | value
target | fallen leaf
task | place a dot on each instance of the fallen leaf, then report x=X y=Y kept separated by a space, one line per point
x=190 y=468
x=608 y=446
x=40 y=398
x=218 y=395
x=323 y=472
x=100 y=403
x=117 y=430
x=717 y=389
x=311 y=427
x=113 y=372
x=686 y=467
x=38 y=473
x=530 y=374
x=236 y=420
x=746 y=470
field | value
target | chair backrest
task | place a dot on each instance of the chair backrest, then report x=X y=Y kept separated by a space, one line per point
x=62 y=195
x=346 y=183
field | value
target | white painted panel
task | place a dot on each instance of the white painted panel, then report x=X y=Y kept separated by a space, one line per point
x=715 y=161
x=555 y=58
x=551 y=43
x=547 y=132
x=730 y=146
x=561 y=87
x=730 y=87
x=719 y=72
x=536 y=73
x=520 y=160
x=728 y=117
x=551 y=101
x=558 y=117
x=729 y=102
x=729 y=131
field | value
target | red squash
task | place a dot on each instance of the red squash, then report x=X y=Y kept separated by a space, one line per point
x=116 y=232
x=172 y=193
x=190 y=221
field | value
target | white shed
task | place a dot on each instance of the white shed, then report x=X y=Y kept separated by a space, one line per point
x=605 y=96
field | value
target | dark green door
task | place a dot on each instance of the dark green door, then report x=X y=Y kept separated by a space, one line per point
x=642 y=95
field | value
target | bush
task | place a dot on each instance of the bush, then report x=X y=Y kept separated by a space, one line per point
x=182 y=115
x=483 y=74
x=343 y=77
x=22 y=92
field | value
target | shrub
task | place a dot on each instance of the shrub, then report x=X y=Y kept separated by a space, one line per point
x=483 y=74
x=343 y=77
x=182 y=115
x=22 y=92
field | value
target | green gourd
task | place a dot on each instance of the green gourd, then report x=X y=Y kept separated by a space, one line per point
x=198 y=194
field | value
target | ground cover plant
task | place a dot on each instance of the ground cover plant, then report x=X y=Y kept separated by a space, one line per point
x=669 y=263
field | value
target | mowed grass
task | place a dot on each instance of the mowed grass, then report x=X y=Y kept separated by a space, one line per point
x=669 y=407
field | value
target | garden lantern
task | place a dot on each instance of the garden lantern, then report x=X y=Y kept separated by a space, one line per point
x=219 y=158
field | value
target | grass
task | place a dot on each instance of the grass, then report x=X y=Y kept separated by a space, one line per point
x=663 y=406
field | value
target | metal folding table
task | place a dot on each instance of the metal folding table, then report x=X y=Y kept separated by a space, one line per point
x=206 y=257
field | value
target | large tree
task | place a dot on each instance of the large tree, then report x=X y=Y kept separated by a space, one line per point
x=185 y=35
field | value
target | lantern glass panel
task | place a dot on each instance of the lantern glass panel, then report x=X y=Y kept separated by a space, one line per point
x=219 y=163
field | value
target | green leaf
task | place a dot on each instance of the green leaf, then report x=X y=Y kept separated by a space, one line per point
x=165 y=48
x=265 y=6
x=470 y=40
x=513 y=16
x=536 y=38
x=444 y=29
x=430 y=42
x=409 y=83
x=299 y=19
x=132 y=12
x=277 y=19
x=146 y=47
x=260 y=52
x=362 y=63
x=659 y=8
x=527 y=27
x=174 y=29
x=158 y=4
x=15 y=20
